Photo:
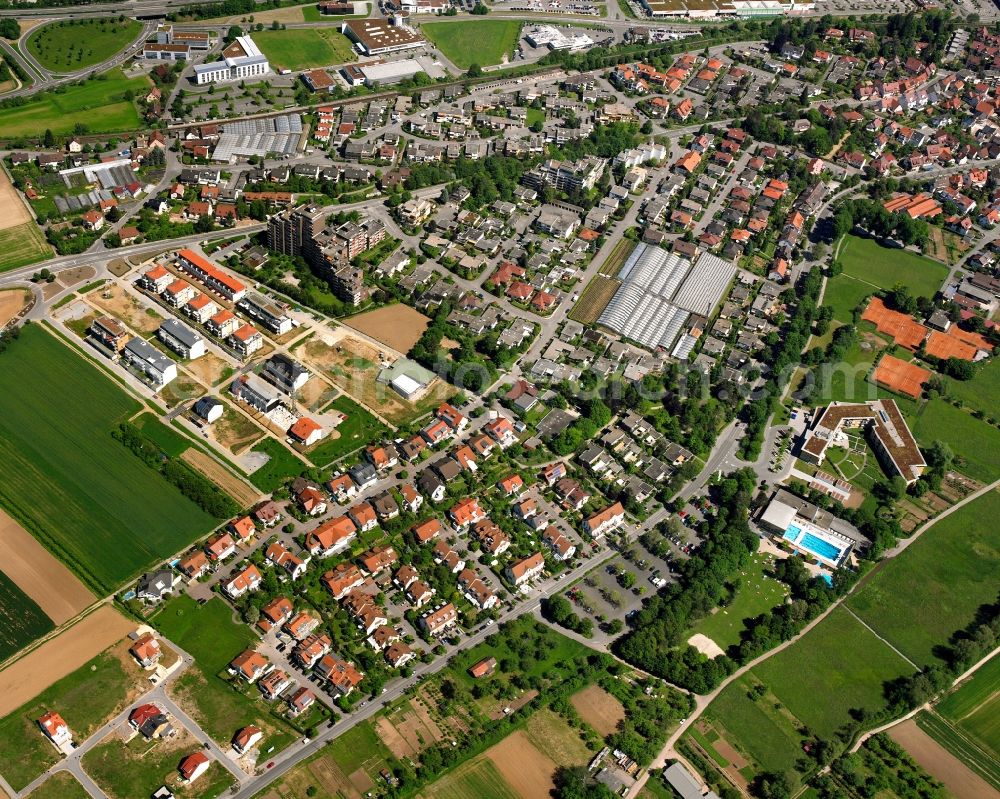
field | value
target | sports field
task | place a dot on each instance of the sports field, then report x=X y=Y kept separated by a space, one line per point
x=756 y=594
x=98 y=104
x=302 y=48
x=884 y=267
x=935 y=587
x=75 y=44
x=63 y=476
x=21 y=620
x=481 y=41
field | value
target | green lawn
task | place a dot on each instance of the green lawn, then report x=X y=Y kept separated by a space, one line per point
x=99 y=104
x=356 y=747
x=21 y=620
x=139 y=767
x=75 y=44
x=206 y=632
x=282 y=465
x=302 y=48
x=86 y=699
x=884 y=267
x=936 y=585
x=837 y=666
x=982 y=391
x=209 y=634
x=61 y=785
x=477 y=779
x=83 y=494
x=480 y=41
x=22 y=245
x=357 y=430
x=166 y=438
x=756 y=595
x=975 y=442
x=756 y=728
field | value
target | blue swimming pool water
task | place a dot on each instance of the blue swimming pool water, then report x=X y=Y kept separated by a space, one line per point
x=828 y=579
x=820 y=547
x=792 y=533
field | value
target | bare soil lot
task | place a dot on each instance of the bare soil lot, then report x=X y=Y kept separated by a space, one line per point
x=398 y=326
x=13 y=212
x=26 y=678
x=528 y=771
x=210 y=369
x=113 y=299
x=598 y=708
x=353 y=365
x=244 y=493
x=236 y=432
x=940 y=763
x=71 y=277
x=34 y=570
x=12 y=303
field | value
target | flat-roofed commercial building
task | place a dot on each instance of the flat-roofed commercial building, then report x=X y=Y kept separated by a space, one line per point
x=379 y=37
x=241 y=59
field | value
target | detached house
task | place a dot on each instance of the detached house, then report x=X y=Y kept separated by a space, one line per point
x=244 y=582
x=525 y=570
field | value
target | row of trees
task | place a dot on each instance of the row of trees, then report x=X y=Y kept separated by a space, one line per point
x=198 y=489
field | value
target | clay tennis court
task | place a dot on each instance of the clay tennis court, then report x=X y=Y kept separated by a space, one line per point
x=904 y=329
x=528 y=771
x=53 y=587
x=900 y=376
x=598 y=708
x=65 y=653
x=940 y=763
x=956 y=343
x=397 y=326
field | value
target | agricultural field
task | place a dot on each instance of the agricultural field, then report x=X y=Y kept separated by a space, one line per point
x=21 y=241
x=303 y=48
x=756 y=594
x=957 y=774
x=477 y=779
x=73 y=45
x=106 y=523
x=883 y=267
x=482 y=41
x=936 y=585
x=598 y=708
x=98 y=104
x=86 y=698
x=357 y=430
x=281 y=465
x=21 y=620
x=595 y=299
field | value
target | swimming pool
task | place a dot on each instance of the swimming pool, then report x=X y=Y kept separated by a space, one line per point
x=820 y=547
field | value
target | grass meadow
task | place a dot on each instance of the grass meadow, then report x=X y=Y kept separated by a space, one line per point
x=100 y=104
x=75 y=44
x=975 y=443
x=84 y=495
x=936 y=585
x=358 y=429
x=302 y=48
x=282 y=465
x=481 y=41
